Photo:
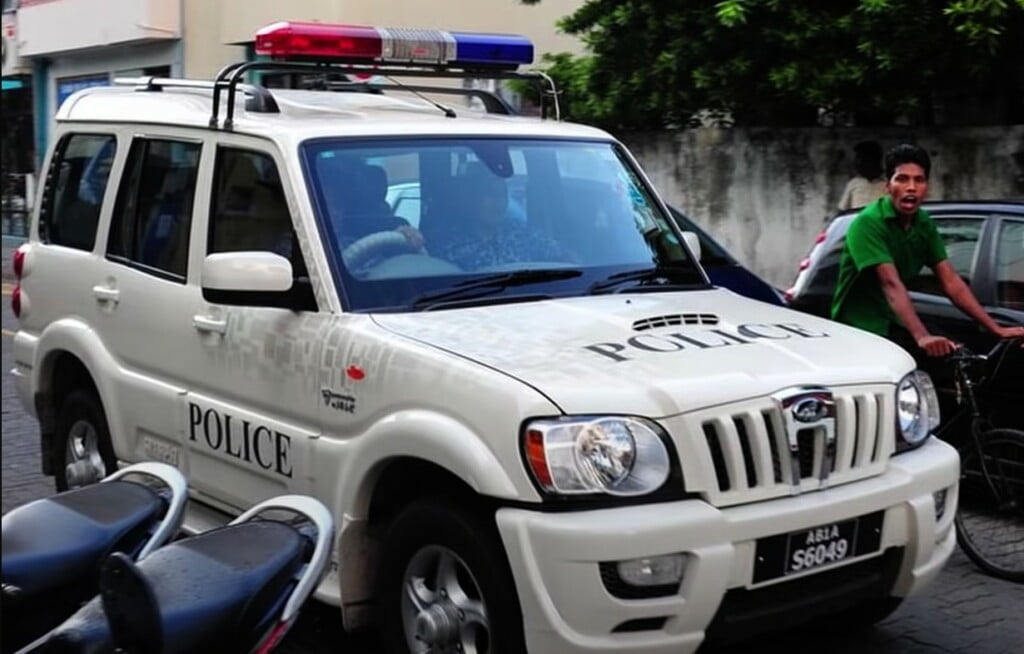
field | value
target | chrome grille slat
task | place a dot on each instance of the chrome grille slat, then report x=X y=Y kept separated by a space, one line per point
x=760 y=449
x=886 y=416
x=782 y=447
x=846 y=423
x=867 y=424
x=729 y=439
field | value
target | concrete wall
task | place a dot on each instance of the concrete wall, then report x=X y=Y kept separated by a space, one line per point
x=765 y=193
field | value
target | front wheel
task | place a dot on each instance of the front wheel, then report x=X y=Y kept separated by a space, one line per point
x=445 y=586
x=990 y=514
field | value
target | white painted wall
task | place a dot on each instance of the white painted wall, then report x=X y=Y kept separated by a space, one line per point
x=55 y=26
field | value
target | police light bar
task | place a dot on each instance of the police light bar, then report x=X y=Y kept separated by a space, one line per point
x=380 y=45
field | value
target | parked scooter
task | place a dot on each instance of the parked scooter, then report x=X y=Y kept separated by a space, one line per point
x=53 y=548
x=233 y=589
x=236 y=588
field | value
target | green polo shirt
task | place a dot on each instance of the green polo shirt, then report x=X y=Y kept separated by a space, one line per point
x=875 y=237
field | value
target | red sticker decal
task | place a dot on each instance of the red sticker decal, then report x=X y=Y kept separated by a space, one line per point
x=355 y=372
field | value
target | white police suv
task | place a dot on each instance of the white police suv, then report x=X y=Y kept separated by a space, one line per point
x=539 y=427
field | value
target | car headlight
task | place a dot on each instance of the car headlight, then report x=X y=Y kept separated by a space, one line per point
x=615 y=455
x=917 y=410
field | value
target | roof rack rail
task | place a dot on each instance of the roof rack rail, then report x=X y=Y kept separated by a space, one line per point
x=230 y=78
x=261 y=99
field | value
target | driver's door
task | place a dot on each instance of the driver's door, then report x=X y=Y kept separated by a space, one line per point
x=250 y=414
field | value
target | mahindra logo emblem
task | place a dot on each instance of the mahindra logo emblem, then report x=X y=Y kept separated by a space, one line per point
x=810 y=409
x=809 y=418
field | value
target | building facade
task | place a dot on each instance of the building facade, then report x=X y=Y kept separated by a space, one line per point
x=73 y=44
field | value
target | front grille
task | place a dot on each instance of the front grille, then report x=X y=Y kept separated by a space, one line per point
x=675 y=319
x=749 y=450
x=746 y=612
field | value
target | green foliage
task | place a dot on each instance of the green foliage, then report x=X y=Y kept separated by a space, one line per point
x=663 y=63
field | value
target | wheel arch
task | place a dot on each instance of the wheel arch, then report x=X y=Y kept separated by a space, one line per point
x=456 y=466
x=68 y=358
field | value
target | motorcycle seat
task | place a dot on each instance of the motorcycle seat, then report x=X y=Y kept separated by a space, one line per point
x=85 y=632
x=203 y=592
x=62 y=540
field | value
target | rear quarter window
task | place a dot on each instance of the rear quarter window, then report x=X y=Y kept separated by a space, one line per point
x=76 y=183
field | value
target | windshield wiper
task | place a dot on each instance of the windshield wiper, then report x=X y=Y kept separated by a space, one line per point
x=491 y=284
x=658 y=278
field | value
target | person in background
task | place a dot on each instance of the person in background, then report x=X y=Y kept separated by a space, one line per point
x=868 y=184
x=887 y=244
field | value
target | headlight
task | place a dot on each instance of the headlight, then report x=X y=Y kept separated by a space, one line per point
x=917 y=409
x=596 y=454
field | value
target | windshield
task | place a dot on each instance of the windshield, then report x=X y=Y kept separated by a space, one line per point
x=413 y=218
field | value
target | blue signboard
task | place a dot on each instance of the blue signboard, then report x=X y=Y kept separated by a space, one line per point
x=67 y=86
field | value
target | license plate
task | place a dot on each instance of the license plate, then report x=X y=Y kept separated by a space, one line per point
x=807 y=549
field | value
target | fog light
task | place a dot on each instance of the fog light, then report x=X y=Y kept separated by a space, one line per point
x=939 y=497
x=653 y=570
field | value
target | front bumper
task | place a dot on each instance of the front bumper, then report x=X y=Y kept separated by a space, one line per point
x=566 y=607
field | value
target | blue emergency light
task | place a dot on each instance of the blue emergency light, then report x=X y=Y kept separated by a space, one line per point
x=380 y=45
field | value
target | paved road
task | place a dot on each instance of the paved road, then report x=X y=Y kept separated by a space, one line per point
x=962 y=612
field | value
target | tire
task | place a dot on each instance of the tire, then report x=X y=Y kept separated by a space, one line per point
x=993 y=536
x=444 y=578
x=82 y=439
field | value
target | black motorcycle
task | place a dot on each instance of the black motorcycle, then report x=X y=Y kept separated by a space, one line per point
x=53 y=548
x=236 y=588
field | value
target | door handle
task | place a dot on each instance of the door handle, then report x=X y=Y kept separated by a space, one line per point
x=208 y=324
x=106 y=294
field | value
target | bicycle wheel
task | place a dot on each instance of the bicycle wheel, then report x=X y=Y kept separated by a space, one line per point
x=990 y=514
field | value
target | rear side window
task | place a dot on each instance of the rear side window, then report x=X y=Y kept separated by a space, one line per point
x=153 y=215
x=1010 y=265
x=961 y=236
x=77 y=181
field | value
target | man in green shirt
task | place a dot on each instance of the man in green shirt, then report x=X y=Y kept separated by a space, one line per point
x=885 y=248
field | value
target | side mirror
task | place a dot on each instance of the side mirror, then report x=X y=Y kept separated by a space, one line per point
x=246 y=271
x=693 y=243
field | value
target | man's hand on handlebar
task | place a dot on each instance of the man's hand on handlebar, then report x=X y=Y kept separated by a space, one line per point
x=1011 y=332
x=937 y=346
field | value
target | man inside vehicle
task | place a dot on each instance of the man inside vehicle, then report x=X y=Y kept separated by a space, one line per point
x=487 y=236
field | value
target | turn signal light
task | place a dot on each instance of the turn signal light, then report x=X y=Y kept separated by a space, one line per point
x=537 y=458
x=16 y=301
x=18 y=263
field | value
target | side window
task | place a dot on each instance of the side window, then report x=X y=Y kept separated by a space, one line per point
x=249 y=208
x=153 y=215
x=961 y=237
x=77 y=180
x=249 y=212
x=1010 y=265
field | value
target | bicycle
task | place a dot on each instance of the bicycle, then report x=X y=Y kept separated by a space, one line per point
x=990 y=514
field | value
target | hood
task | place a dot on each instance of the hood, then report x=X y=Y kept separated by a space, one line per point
x=655 y=354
